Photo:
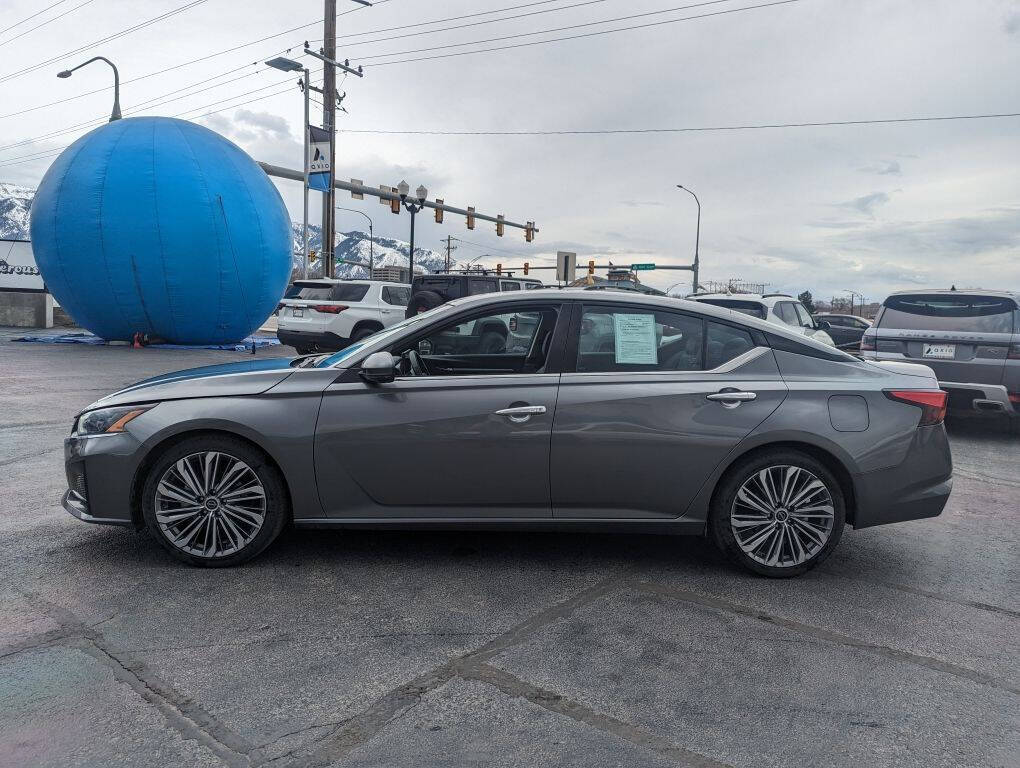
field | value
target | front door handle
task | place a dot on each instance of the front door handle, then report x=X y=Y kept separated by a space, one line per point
x=521 y=413
x=732 y=399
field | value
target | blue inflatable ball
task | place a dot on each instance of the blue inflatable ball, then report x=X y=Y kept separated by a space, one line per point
x=161 y=226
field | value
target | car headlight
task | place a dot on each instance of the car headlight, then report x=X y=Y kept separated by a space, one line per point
x=108 y=420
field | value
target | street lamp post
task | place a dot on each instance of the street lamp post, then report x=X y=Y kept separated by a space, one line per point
x=697 y=237
x=115 y=114
x=289 y=65
x=371 y=240
x=413 y=205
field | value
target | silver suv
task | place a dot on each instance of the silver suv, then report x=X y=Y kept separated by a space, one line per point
x=970 y=338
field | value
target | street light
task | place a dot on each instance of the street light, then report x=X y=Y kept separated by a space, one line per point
x=371 y=239
x=115 y=114
x=697 y=236
x=413 y=205
x=289 y=65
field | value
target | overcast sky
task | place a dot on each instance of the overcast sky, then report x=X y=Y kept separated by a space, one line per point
x=870 y=208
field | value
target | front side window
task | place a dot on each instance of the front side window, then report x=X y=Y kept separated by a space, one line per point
x=803 y=316
x=396 y=295
x=631 y=339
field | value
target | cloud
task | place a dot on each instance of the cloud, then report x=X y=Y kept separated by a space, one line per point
x=642 y=203
x=1011 y=24
x=883 y=168
x=866 y=204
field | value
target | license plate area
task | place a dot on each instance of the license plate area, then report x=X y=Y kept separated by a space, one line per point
x=939 y=351
x=299 y=313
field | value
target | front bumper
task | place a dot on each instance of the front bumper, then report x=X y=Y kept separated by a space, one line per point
x=325 y=341
x=100 y=470
x=917 y=488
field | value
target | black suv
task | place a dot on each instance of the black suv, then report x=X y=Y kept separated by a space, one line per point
x=429 y=291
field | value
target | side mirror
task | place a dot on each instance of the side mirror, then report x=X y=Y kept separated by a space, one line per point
x=379 y=368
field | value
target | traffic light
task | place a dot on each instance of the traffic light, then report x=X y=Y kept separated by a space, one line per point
x=591 y=267
x=439 y=211
x=525 y=267
x=499 y=225
x=395 y=204
x=529 y=232
x=312 y=256
x=471 y=217
x=499 y=269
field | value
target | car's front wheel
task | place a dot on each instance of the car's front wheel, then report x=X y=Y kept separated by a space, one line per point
x=214 y=500
x=778 y=513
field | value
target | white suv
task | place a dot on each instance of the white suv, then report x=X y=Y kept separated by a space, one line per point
x=776 y=308
x=330 y=314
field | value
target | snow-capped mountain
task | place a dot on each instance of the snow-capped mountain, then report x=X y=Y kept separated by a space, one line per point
x=354 y=246
x=15 y=201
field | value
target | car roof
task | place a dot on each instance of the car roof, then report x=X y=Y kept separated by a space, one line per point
x=634 y=298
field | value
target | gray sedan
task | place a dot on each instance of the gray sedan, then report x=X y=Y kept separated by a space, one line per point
x=549 y=410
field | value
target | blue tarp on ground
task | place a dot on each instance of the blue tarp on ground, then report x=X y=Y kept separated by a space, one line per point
x=88 y=338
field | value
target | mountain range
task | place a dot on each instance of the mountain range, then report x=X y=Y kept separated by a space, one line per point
x=354 y=246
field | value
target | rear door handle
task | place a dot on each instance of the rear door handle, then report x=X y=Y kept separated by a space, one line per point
x=521 y=413
x=733 y=397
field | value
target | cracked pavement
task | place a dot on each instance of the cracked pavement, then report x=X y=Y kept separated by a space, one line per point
x=495 y=649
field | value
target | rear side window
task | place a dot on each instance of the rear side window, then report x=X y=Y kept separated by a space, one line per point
x=349 y=292
x=939 y=312
x=630 y=339
x=509 y=285
x=447 y=287
x=752 y=308
x=396 y=296
x=477 y=285
x=725 y=343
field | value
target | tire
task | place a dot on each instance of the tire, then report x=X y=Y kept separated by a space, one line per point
x=422 y=302
x=363 y=333
x=768 y=554
x=237 y=537
x=1014 y=425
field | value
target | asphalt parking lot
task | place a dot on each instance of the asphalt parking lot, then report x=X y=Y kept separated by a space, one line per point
x=472 y=649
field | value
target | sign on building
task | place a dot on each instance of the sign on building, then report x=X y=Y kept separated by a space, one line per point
x=18 y=271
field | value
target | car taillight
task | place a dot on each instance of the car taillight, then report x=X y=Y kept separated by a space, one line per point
x=932 y=403
x=868 y=343
x=1014 y=397
x=1014 y=351
x=331 y=309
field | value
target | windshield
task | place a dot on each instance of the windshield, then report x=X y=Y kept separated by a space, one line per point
x=752 y=308
x=939 y=312
x=312 y=291
x=393 y=330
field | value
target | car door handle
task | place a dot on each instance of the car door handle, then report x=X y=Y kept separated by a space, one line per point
x=521 y=413
x=733 y=397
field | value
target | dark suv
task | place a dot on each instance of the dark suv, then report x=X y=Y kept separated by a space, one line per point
x=429 y=291
x=970 y=338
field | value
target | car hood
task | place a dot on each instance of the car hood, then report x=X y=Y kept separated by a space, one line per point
x=250 y=377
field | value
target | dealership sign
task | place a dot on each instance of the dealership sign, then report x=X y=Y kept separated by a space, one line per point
x=18 y=271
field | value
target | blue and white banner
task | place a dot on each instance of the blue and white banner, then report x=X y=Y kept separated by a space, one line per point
x=317 y=162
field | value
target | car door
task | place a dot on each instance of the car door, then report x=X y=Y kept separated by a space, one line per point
x=648 y=407
x=470 y=439
x=393 y=301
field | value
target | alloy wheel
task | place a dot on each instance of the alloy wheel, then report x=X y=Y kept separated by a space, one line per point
x=210 y=504
x=782 y=516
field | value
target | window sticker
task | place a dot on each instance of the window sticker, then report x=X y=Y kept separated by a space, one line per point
x=635 y=339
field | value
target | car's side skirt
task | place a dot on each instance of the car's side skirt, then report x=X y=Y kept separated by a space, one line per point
x=609 y=525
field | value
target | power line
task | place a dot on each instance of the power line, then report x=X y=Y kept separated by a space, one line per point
x=571 y=37
x=44 y=23
x=486 y=247
x=29 y=18
x=705 y=129
x=181 y=9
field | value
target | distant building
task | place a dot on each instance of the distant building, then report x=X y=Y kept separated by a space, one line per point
x=394 y=274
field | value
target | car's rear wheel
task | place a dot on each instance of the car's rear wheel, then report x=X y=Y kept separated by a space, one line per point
x=214 y=500
x=779 y=513
x=363 y=333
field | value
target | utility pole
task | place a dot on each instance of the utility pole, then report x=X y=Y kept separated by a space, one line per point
x=329 y=123
x=450 y=248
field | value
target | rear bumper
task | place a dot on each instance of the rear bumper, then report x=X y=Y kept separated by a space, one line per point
x=919 y=487
x=323 y=340
x=984 y=398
